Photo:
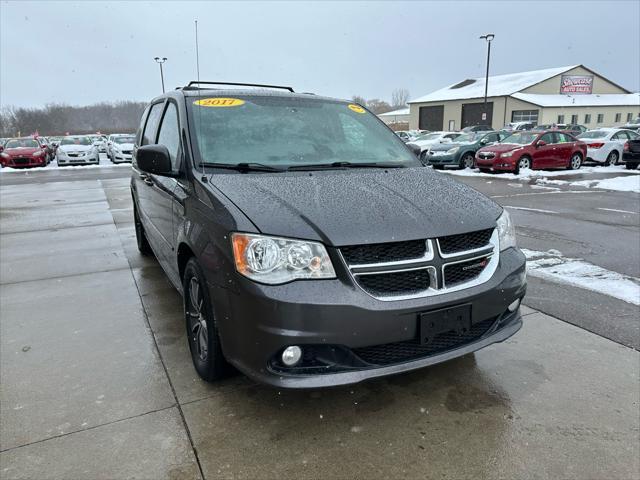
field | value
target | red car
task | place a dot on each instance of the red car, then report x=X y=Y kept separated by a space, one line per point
x=24 y=152
x=532 y=149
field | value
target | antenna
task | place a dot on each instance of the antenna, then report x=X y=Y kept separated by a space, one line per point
x=198 y=133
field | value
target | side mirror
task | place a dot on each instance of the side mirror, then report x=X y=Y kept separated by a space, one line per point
x=484 y=141
x=415 y=149
x=541 y=143
x=154 y=159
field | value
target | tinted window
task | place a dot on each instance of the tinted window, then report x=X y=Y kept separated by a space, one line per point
x=547 y=138
x=149 y=135
x=169 y=135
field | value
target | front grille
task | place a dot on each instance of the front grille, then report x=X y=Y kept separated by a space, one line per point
x=384 y=252
x=20 y=161
x=409 y=350
x=126 y=152
x=465 y=241
x=486 y=155
x=457 y=273
x=395 y=283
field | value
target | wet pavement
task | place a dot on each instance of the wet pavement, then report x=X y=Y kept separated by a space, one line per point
x=97 y=379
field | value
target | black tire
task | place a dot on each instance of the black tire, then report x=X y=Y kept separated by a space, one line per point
x=575 y=162
x=485 y=170
x=612 y=158
x=631 y=166
x=468 y=160
x=202 y=330
x=141 y=236
x=523 y=162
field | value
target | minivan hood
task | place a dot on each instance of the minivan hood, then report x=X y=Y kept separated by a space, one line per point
x=350 y=207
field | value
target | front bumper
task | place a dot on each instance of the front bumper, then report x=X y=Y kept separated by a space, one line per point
x=257 y=322
x=496 y=164
x=121 y=157
x=85 y=160
x=25 y=162
x=445 y=159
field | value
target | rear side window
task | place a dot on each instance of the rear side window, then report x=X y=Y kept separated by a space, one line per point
x=169 y=134
x=547 y=138
x=564 y=138
x=148 y=136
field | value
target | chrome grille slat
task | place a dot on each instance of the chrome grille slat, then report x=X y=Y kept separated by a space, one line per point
x=432 y=263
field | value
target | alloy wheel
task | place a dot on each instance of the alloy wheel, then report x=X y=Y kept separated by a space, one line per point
x=468 y=161
x=613 y=158
x=524 y=163
x=575 y=162
x=198 y=331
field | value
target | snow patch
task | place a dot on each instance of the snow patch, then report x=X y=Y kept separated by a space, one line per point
x=552 y=265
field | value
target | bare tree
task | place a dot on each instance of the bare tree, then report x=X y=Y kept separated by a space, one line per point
x=359 y=100
x=399 y=97
x=378 y=106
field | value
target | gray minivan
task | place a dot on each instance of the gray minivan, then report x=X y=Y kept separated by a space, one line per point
x=310 y=245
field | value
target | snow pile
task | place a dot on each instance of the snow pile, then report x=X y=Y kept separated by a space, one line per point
x=553 y=266
x=629 y=183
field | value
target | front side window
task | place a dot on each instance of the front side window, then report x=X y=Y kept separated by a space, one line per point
x=169 y=134
x=284 y=132
x=148 y=136
x=547 y=138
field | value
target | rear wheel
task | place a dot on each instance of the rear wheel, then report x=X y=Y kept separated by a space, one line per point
x=202 y=332
x=141 y=236
x=467 y=161
x=612 y=158
x=575 y=162
x=631 y=166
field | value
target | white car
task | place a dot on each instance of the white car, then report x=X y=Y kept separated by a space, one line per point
x=110 y=140
x=121 y=148
x=432 y=138
x=606 y=145
x=77 y=151
x=100 y=142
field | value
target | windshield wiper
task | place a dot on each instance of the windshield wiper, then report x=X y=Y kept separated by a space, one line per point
x=243 y=167
x=334 y=165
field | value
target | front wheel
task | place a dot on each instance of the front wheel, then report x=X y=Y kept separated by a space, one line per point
x=141 y=236
x=202 y=332
x=575 y=162
x=467 y=161
x=524 y=163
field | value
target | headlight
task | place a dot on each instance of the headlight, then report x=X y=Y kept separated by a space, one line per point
x=506 y=231
x=275 y=260
x=453 y=150
x=507 y=154
x=39 y=153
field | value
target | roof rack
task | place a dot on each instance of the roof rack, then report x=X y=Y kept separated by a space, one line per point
x=196 y=82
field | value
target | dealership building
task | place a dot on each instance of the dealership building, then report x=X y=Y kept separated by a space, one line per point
x=573 y=94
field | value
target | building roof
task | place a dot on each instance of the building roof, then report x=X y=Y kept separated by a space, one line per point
x=594 y=100
x=402 y=111
x=499 y=85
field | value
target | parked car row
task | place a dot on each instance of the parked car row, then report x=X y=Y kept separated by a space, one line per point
x=497 y=151
x=39 y=151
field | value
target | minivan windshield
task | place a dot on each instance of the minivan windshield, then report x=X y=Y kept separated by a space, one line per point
x=520 y=138
x=284 y=132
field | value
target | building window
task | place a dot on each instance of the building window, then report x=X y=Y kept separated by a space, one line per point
x=587 y=118
x=629 y=117
x=560 y=118
x=600 y=118
x=524 y=116
x=574 y=119
x=618 y=117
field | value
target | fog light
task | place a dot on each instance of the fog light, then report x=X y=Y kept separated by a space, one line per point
x=291 y=355
x=514 y=306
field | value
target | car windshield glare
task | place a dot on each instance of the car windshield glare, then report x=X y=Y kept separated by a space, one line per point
x=521 y=138
x=285 y=132
x=76 y=141
x=594 y=134
x=22 y=143
x=466 y=138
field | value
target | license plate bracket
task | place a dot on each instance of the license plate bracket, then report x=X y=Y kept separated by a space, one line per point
x=456 y=318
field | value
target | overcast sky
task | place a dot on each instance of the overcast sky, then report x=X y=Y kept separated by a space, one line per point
x=84 y=52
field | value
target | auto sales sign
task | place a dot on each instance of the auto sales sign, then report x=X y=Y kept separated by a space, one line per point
x=576 y=84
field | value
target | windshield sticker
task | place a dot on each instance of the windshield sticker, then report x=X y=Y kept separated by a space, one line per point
x=356 y=108
x=219 y=102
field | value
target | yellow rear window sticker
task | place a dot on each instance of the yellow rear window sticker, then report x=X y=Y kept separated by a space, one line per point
x=219 y=102
x=356 y=108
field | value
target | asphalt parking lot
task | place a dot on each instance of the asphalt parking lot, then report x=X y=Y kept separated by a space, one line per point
x=94 y=359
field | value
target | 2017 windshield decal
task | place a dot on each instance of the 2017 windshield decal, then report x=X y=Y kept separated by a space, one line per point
x=219 y=102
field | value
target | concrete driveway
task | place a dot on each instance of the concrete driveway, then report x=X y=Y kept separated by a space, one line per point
x=97 y=382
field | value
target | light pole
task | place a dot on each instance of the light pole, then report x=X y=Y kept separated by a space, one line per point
x=160 y=61
x=488 y=37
